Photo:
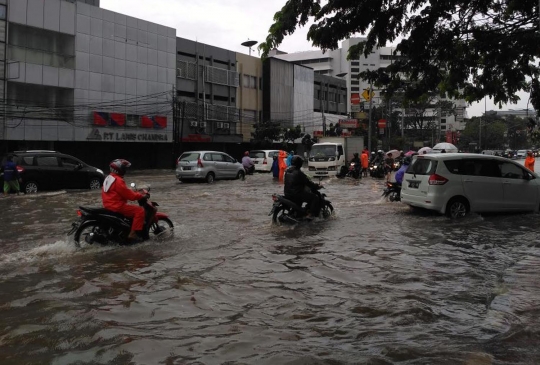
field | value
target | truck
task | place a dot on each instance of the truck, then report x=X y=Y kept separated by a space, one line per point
x=331 y=153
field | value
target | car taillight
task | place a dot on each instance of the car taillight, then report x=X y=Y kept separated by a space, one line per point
x=199 y=163
x=264 y=162
x=20 y=169
x=177 y=161
x=79 y=213
x=437 y=180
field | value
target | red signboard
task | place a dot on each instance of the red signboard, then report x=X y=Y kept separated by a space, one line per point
x=118 y=120
x=196 y=138
x=317 y=133
x=348 y=123
x=355 y=98
x=382 y=123
x=156 y=122
x=101 y=118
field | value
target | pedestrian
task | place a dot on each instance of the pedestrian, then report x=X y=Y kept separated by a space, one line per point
x=389 y=166
x=529 y=161
x=365 y=162
x=289 y=158
x=275 y=168
x=11 y=176
x=282 y=163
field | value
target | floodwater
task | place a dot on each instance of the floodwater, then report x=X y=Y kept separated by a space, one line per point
x=377 y=283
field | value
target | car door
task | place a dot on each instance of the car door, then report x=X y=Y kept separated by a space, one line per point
x=482 y=184
x=73 y=174
x=520 y=187
x=230 y=165
x=49 y=173
x=221 y=166
x=210 y=164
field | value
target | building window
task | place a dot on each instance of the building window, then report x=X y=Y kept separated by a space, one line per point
x=355 y=82
x=355 y=89
x=2 y=12
x=245 y=80
x=355 y=70
x=355 y=63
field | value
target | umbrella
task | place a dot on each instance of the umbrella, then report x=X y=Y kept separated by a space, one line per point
x=448 y=147
x=411 y=153
x=394 y=153
x=424 y=150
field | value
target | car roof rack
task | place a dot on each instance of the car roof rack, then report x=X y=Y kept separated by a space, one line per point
x=36 y=151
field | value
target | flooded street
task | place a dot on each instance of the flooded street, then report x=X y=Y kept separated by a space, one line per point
x=378 y=283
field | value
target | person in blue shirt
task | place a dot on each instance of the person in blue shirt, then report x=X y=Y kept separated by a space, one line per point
x=289 y=158
x=402 y=169
x=11 y=176
x=275 y=167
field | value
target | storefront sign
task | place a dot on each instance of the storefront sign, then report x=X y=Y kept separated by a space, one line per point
x=99 y=135
x=348 y=123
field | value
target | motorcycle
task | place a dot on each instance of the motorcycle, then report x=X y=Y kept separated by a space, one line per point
x=354 y=171
x=376 y=169
x=100 y=225
x=392 y=192
x=285 y=211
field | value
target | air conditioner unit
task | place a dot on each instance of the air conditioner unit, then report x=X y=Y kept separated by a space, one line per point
x=226 y=125
x=202 y=124
x=219 y=125
x=193 y=124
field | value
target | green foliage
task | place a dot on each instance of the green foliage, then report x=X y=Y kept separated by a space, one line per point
x=497 y=133
x=463 y=49
x=267 y=132
x=534 y=137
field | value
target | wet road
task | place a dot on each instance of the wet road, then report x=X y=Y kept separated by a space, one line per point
x=376 y=284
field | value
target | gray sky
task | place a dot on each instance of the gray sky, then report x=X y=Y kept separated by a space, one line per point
x=227 y=24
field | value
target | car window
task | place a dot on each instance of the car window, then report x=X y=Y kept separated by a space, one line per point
x=46 y=161
x=512 y=171
x=256 y=154
x=207 y=157
x=189 y=157
x=227 y=158
x=69 y=162
x=271 y=154
x=422 y=166
x=452 y=166
x=218 y=157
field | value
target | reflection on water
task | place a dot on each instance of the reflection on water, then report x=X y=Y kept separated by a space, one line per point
x=376 y=284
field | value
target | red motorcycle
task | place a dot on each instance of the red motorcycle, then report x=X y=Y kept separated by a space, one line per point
x=100 y=225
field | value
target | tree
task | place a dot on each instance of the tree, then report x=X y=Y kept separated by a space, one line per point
x=266 y=132
x=462 y=49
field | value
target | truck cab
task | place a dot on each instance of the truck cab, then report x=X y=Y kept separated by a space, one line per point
x=326 y=159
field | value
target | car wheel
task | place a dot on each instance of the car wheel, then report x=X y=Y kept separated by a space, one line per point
x=457 y=208
x=241 y=175
x=95 y=184
x=30 y=187
x=210 y=178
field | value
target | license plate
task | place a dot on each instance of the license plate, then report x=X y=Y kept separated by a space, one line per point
x=186 y=168
x=321 y=173
x=256 y=162
x=414 y=184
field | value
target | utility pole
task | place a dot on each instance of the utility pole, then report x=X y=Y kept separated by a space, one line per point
x=369 y=123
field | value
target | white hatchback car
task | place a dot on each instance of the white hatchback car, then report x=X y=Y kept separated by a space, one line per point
x=458 y=183
x=263 y=159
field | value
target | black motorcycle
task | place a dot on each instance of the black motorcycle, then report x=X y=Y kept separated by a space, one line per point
x=285 y=211
x=376 y=169
x=392 y=192
x=102 y=226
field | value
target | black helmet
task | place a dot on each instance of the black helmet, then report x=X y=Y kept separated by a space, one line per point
x=119 y=166
x=297 y=161
x=356 y=154
x=407 y=160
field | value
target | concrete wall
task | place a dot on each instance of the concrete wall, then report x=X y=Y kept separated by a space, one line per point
x=303 y=96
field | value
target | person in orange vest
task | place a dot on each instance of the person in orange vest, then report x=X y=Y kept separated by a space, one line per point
x=529 y=161
x=365 y=162
x=282 y=161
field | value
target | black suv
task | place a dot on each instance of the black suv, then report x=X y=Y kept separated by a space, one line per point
x=51 y=170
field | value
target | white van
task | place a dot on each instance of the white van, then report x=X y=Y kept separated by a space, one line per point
x=263 y=159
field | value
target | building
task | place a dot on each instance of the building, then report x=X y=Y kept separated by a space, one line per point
x=295 y=95
x=87 y=81
x=335 y=63
x=249 y=94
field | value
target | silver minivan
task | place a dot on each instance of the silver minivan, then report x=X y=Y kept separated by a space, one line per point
x=208 y=166
x=458 y=183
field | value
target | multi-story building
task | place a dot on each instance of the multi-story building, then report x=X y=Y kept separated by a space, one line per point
x=295 y=95
x=335 y=63
x=87 y=81
x=249 y=94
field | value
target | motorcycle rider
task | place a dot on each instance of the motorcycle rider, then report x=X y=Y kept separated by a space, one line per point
x=248 y=163
x=402 y=169
x=357 y=165
x=115 y=195
x=297 y=185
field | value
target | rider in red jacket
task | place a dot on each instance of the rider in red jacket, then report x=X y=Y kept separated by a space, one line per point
x=115 y=195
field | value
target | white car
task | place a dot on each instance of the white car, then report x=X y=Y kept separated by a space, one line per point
x=263 y=159
x=458 y=183
x=521 y=154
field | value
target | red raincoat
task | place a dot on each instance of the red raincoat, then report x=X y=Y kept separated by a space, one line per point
x=115 y=195
x=282 y=163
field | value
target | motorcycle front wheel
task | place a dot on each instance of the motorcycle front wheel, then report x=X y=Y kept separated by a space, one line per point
x=280 y=215
x=163 y=226
x=327 y=210
x=90 y=232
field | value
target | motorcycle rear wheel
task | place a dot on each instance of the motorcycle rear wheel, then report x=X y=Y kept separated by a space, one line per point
x=327 y=210
x=279 y=216
x=88 y=230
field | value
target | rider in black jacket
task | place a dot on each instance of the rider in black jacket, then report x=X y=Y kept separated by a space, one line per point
x=298 y=187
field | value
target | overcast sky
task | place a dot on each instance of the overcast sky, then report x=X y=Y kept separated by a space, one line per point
x=227 y=24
